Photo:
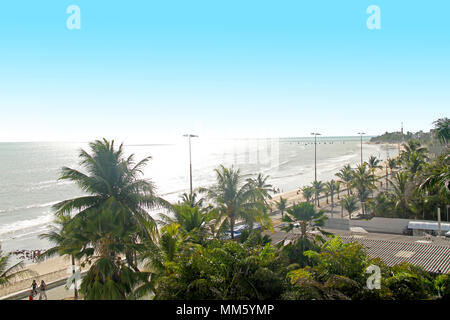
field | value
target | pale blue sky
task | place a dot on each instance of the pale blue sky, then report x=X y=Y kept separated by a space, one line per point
x=144 y=71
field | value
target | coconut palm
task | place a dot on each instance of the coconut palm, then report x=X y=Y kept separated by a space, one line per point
x=326 y=192
x=191 y=200
x=392 y=164
x=439 y=176
x=107 y=234
x=346 y=176
x=64 y=244
x=400 y=192
x=305 y=217
x=112 y=177
x=10 y=272
x=160 y=258
x=350 y=204
x=332 y=187
x=281 y=205
x=374 y=164
x=192 y=221
x=307 y=192
x=413 y=155
x=415 y=162
x=363 y=182
x=338 y=189
x=236 y=199
x=442 y=130
x=318 y=188
x=262 y=187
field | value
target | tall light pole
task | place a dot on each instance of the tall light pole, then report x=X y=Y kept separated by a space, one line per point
x=361 y=134
x=315 y=134
x=190 y=158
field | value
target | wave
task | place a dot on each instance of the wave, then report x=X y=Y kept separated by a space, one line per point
x=48 y=185
x=24 y=226
x=32 y=206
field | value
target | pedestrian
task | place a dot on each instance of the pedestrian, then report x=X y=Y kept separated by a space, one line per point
x=42 y=289
x=34 y=287
x=30 y=297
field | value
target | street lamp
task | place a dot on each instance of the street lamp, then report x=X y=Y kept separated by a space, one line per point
x=361 y=134
x=315 y=134
x=190 y=158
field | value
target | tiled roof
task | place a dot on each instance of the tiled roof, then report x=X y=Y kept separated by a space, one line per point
x=433 y=257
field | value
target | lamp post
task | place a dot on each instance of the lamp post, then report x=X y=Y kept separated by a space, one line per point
x=361 y=134
x=190 y=158
x=315 y=134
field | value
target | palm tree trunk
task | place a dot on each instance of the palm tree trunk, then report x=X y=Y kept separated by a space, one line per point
x=73 y=272
x=232 y=227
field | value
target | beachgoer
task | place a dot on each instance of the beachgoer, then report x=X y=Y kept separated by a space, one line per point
x=30 y=297
x=34 y=287
x=42 y=289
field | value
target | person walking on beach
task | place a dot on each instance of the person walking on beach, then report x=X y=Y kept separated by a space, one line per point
x=42 y=289
x=34 y=287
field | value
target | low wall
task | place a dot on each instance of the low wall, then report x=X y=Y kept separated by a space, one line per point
x=382 y=225
x=337 y=224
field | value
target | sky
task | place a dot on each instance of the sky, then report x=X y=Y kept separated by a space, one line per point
x=149 y=71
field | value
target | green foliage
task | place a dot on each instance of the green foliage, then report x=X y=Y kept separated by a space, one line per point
x=338 y=258
x=442 y=285
x=227 y=270
x=235 y=199
x=410 y=282
x=10 y=272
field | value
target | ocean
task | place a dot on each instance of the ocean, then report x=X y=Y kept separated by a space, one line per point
x=29 y=184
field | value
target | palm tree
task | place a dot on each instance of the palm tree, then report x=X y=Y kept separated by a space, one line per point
x=281 y=205
x=332 y=187
x=65 y=244
x=415 y=162
x=350 y=204
x=192 y=221
x=439 y=176
x=338 y=189
x=442 y=130
x=111 y=177
x=160 y=258
x=235 y=199
x=107 y=234
x=400 y=192
x=191 y=200
x=346 y=177
x=392 y=164
x=413 y=146
x=413 y=155
x=318 y=188
x=374 y=164
x=10 y=272
x=305 y=217
x=262 y=187
x=308 y=193
x=363 y=182
x=326 y=192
